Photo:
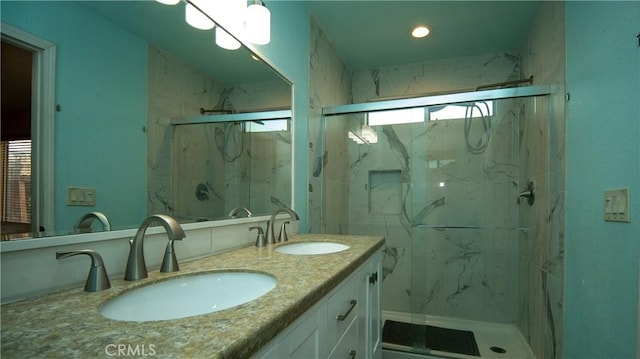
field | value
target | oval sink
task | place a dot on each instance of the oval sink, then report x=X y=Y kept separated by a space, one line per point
x=309 y=248
x=188 y=296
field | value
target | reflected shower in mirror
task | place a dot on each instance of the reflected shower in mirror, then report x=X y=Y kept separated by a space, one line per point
x=121 y=81
x=222 y=166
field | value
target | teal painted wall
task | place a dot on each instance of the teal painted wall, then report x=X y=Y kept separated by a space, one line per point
x=603 y=151
x=288 y=52
x=99 y=141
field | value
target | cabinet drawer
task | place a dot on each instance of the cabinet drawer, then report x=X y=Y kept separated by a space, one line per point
x=348 y=347
x=342 y=309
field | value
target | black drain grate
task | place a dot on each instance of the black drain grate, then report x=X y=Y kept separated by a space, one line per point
x=420 y=336
x=498 y=350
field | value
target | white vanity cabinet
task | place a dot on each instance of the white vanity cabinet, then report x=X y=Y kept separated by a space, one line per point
x=345 y=324
x=373 y=318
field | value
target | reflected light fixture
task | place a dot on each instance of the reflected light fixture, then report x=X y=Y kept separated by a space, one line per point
x=231 y=14
x=420 y=31
x=237 y=20
x=258 y=23
x=365 y=135
x=226 y=41
x=195 y=17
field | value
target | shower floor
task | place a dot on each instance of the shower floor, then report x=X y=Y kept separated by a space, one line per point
x=495 y=341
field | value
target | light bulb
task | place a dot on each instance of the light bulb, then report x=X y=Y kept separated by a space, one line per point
x=168 y=2
x=226 y=41
x=196 y=18
x=258 y=24
x=420 y=31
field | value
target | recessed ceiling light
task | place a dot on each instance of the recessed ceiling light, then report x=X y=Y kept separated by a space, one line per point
x=420 y=31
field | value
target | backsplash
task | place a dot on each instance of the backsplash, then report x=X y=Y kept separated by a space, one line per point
x=29 y=268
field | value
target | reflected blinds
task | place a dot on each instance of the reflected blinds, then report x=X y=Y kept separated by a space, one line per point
x=16 y=181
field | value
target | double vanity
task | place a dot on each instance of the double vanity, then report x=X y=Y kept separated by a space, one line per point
x=314 y=296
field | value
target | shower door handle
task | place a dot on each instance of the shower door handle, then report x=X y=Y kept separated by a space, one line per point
x=373 y=278
x=352 y=354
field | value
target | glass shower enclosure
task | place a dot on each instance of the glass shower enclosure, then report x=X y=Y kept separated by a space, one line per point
x=438 y=177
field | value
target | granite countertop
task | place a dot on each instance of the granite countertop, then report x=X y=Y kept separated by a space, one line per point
x=67 y=324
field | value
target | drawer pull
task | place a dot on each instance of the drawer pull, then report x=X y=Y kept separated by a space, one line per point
x=352 y=354
x=344 y=316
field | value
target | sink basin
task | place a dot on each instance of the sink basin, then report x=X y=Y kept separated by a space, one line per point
x=188 y=296
x=310 y=248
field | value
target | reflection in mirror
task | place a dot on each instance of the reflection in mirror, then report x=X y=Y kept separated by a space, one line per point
x=222 y=166
x=121 y=81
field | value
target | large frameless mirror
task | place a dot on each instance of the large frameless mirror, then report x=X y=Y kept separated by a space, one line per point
x=129 y=78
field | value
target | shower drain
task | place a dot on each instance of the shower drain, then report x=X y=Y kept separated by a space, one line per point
x=498 y=350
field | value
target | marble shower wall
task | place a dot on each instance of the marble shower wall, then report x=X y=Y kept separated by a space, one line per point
x=449 y=216
x=434 y=77
x=461 y=272
x=443 y=275
x=230 y=165
x=542 y=158
x=329 y=85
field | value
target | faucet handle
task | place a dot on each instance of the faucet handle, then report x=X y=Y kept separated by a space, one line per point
x=282 y=237
x=97 y=279
x=169 y=262
x=260 y=242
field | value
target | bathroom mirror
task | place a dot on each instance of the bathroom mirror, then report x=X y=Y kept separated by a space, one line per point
x=126 y=73
x=233 y=168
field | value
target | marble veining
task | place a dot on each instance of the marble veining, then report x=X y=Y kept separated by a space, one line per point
x=67 y=323
x=497 y=276
x=451 y=245
x=182 y=157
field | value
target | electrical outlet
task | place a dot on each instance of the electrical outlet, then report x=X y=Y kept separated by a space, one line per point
x=81 y=196
x=616 y=205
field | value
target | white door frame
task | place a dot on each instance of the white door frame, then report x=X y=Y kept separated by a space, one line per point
x=42 y=125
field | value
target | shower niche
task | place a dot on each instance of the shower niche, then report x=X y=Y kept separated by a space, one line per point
x=385 y=192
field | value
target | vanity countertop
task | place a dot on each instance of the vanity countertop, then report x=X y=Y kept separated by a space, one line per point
x=67 y=324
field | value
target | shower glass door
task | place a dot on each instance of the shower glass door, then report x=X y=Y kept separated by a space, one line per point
x=440 y=183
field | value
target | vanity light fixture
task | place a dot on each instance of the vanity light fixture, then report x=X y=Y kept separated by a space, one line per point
x=258 y=23
x=420 y=31
x=252 y=22
x=226 y=41
x=197 y=18
x=231 y=14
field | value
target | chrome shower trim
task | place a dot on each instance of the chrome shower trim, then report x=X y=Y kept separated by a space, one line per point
x=471 y=96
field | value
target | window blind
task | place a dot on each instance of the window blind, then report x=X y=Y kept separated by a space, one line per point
x=16 y=181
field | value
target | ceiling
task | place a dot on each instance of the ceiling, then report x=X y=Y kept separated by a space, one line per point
x=364 y=33
x=165 y=26
x=376 y=33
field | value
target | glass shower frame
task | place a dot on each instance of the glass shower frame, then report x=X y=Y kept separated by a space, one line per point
x=413 y=177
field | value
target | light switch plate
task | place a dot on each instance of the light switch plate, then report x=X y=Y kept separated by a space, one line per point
x=616 y=205
x=81 y=196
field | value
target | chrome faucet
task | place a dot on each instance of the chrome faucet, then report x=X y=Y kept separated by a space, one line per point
x=97 y=279
x=136 y=267
x=84 y=223
x=234 y=212
x=271 y=238
x=282 y=237
x=259 y=237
